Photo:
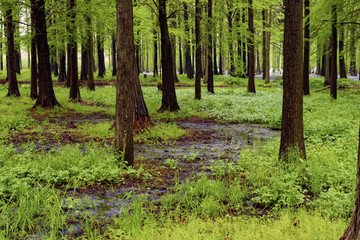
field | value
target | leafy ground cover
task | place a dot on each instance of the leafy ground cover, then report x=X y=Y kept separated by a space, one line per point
x=59 y=176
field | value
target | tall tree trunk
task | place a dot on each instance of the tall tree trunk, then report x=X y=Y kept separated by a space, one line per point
x=101 y=57
x=266 y=46
x=216 y=71
x=341 y=53
x=18 y=59
x=173 y=52
x=84 y=63
x=231 y=53
x=74 y=77
x=251 y=82
x=124 y=143
x=220 y=55
x=333 y=89
x=353 y=231
x=306 y=84
x=353 y=71
x=46 y=96
x=1 y=47
x=62 y=67
x=327 y=80
x=90 y=51
x=68 y=67
x=169 y=101
x=292 y=128
x=181 y=71
x=34 y=72
x=13 y=89
x=189 y=70
x=156 y=72
x=114 y=56
x=198 y=50
x=258 y=67
x=244 y=51
x=210 y=74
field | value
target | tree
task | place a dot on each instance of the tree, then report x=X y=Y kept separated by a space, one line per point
x=292 y=130
x=333 y=88
x=74 y=77
x=169 y=101
x=266 y=46
x=124 y=143
x=353 y=231
x=189 y=70
x=90 y=50
x=251 y=82
x=306 y=87
x=34 y=71
x=342 y=66
x=210 y=73
x=46 y=96
x=13 y=89
x=198 y=50
x=101 y=56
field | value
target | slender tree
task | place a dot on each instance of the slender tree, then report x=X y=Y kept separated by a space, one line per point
x=342 y=66
x=333 y=89
x=189 y=70
x=155 y=53
x=62 y=66
x=46 y=96
x=353 y=71
x=13 y=89
x=306 y=83
x=113 y=40
x=34 y=71
x=101 y=56
x=251 y=82
x=198 y=50
x=84 y=63
x=169 y=101
x=124 y=143
x=90 y=50
x=292 y=130
x=210 y=73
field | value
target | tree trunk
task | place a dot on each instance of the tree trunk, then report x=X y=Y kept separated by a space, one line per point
x=173 y=53
x=353 y=71
x=210 y=74
x=113 y=56
x=198 y=50
x=34 y=72
x=353 y=231
x=90 y=51
x=251 y=82
x=74 y=77
x=18 y=59
x=292 y=129
x=101 y=57
x=68 y=68
x=244 y=51
x=216 y=71
x=333 y=89
x=231 y=53
x=189 y=70
x=46 y=96
x=266 y=46
x=1 y=47
x=169 y=101
x=84 y=63
x=124 y=143
x=13 y=89
x=341 y=53
x=327 y=80
x=306 y=86
x=156 y=72
x=181 y=71
x=62 y=68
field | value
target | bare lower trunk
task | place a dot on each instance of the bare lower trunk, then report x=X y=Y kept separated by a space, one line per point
x=198 y=51
x=251 y=82
x=210 y=73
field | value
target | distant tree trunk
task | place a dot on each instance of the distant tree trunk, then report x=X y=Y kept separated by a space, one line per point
x=18 y=59
x=90 y=51
x=173 y=52
x=189 y=70
x=258 y=67
x=13 y=89
x=84 y=63
x=101 y=57
x=292 y=129
x=306 y=86
x=353 y=70
x=1 y=48
x=124 y=143
x=46 y=96
x=210 y=74
x=341 y=53
x=266 y=46
x=68 y=68
x=74 y=77
x=220 y=58
x=244 y=51
x=181 y=71
x=114 y=56
x=251 y=82
x=169 y=101
x=216 y=71
x=323 y=63
x=231 y=53
x=198 y=50
x=155 y=54
x=34 y=72
x=333 y=89
x=62 y=67
x=327 y=80
x=353 y=231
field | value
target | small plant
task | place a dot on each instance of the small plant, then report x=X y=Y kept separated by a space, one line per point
x=192 y=157
x=172 y=163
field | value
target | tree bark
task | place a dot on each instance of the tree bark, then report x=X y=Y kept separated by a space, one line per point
x=90 y=51
x=353 y=231
x=353 y=70
x=101 y=57
x=341 y=53
x=266 y=46
x=251 y=82
x=181 y=70
x=124 y=143
x=189 y=70
x=74 y=77
x=333 y=89
x=292 y=129
x=62 y=67
x=1 y=48
x=46 y=96
x=231 y=53
x=210 y=73
x=156 y=71
x=244 y=51
x=34 y=72
x=68 y=68
x=198 y=50
x=169 y=101
x=13 y=89
x=306 y=86
x=84 y=63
